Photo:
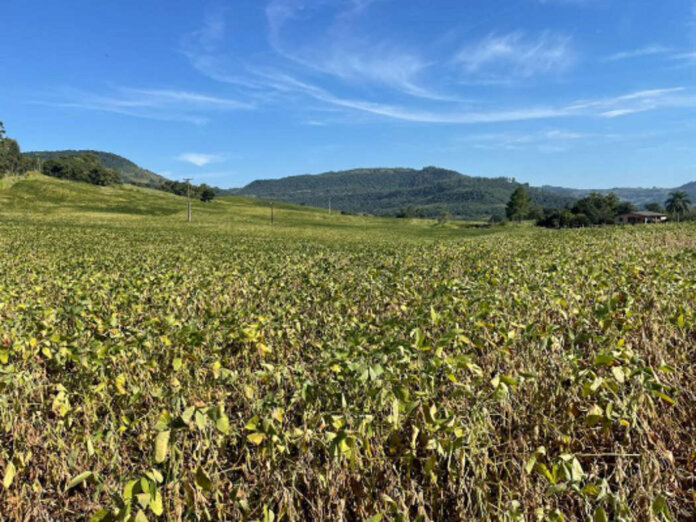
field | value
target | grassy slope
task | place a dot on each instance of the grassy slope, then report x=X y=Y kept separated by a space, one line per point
x=40 y=197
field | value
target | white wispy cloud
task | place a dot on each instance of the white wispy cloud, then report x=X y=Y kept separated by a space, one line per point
x=686 y=57
x=157 y=104
x=544 y=141
x=650 y=50
x=344 y=68
x=518 y=55
x=624 y=104
x=199 y=159
x=342 y=50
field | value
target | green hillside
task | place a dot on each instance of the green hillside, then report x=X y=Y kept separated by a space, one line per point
x=129 y=171
x=388 y=191
x=40 y=198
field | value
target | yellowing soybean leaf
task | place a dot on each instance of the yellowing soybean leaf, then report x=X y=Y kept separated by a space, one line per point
x=594 y=415
x=103 y=515
x=156 y=504
x=79 y=479
x=10 y=472
x=223 y=423
x=256 y=438
x=162 y=446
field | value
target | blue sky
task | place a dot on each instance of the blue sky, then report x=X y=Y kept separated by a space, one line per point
x=580 y=93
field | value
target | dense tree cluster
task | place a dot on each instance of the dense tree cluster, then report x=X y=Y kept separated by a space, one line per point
x=85 y=168
x=603 y=209
x=594 y=209
x=11 y=159
x=203 y=192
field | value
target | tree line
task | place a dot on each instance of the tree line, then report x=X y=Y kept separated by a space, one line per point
x=593 y=209
x=12 y=161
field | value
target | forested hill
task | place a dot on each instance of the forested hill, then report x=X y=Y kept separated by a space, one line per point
x=128 y=171
x=394 y=191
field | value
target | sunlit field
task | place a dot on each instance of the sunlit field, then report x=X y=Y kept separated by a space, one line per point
x=333 y=367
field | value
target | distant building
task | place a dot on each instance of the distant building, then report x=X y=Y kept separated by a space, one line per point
x=641 y=216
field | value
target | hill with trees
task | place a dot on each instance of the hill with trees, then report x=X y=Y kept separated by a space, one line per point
x=128 y=171
x=427 y=192
x=84 y=167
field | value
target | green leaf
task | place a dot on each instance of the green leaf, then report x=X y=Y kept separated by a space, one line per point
x=140 y=516
x=223 y=423
x=202 y=480
x=163 y=421
x=543 y=470
x=188 y=414
x=253 y=422
x=664 y=397
x=161 y=446
x=600 y=515
x=660 y=507
x=79 y=479
x=143 y=499
x=529 y=465
x=128 y=490
x=103 y=515
x=10 y=472
x=200 y=420
x=375 y=518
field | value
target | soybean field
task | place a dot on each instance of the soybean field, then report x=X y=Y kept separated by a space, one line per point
x=332 y=367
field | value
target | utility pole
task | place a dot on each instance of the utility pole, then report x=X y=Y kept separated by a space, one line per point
x=272 y=215
x=188 y=196
x=329 y=205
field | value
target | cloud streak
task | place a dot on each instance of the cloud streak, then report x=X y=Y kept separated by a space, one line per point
x=199 y=159
x=650 y=50
x=517 y=55
x=156 y=104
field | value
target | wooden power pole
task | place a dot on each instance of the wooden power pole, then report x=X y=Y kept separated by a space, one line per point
x=272 y=214
x=188 y=196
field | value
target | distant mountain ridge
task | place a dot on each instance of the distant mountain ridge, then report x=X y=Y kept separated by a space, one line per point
x=388 y=191
x=128 y=171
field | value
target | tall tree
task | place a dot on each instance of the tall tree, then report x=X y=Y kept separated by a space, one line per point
x=519 y=205
x=678 y=203
x=207 y=193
